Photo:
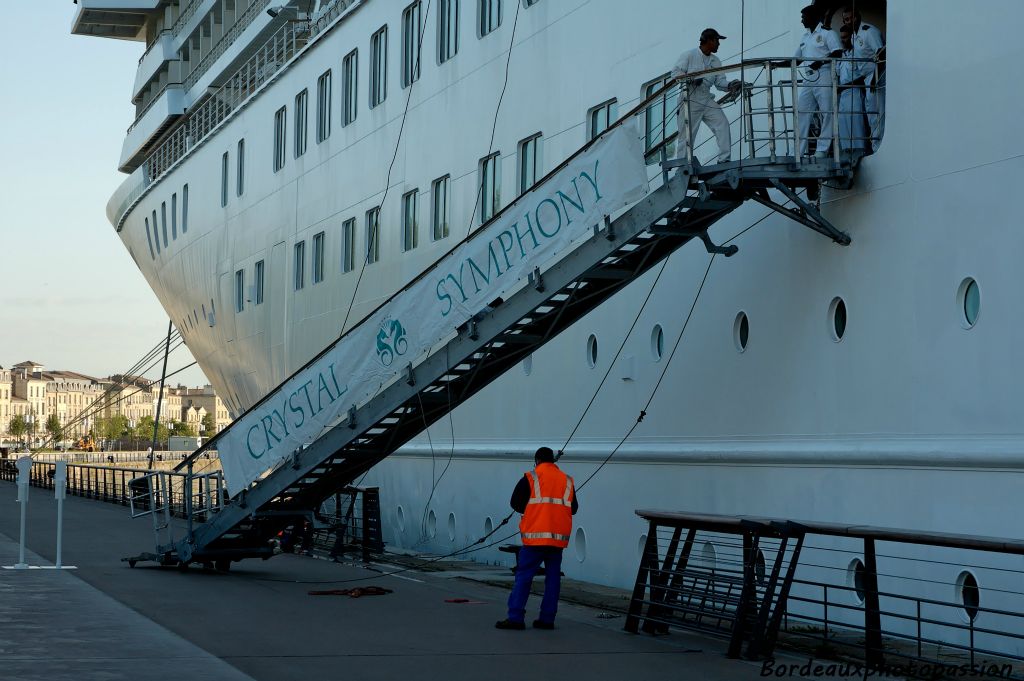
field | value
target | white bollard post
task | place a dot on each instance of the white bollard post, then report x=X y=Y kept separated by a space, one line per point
x=24 y=468
x=60 y=483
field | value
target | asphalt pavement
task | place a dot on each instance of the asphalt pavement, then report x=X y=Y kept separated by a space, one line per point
x=259 y=621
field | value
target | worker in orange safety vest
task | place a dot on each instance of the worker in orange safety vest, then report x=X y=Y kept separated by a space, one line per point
x=547 y=499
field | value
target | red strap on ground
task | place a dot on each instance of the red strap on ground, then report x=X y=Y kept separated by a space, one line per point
x=354 y=593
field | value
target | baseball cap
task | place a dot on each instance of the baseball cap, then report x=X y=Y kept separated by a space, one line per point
x=711 y=34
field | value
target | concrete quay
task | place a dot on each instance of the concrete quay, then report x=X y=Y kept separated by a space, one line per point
x=107 y=621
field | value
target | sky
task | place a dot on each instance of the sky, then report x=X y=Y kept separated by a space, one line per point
x=70 y=296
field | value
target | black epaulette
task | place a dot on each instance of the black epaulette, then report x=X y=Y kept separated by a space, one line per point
x=865 y=25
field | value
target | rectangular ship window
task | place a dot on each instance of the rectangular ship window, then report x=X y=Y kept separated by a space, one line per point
x=349 y=87
x=240 y=171
x=440 y=211
x=348 y=245
x=372 y=235
x=174 y=215
x=490 y=15
x=301 y=122
x=163 y=217
x=300 y=265
x=660 y=115
x=529 y=163
x=379 y=67
x=259 y=282
x=224 y=180
x=410 y=220
x=239 y=290
x=318 y=257
x=490 y=192
x=600 y=117
x=280 y=139
x=411 y=39
x=156 y=232
x=447 y=30
x=184 y=209
x=323 y=107
x=149 y=240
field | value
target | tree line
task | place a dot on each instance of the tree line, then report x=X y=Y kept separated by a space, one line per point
x=116 y=427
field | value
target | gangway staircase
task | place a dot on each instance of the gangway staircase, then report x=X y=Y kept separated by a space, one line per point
x=690 y=199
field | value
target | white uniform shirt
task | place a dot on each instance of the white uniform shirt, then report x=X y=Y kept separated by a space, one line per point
x=818 y=44
x=694 y=61
x=848 y=71
x=867 y=41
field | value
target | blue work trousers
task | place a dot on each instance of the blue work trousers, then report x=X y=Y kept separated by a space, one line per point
x=530 y=559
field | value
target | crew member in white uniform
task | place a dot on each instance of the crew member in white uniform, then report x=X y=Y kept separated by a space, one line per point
x=853 y=132
x=702 y=104
x=817 y=45
x=868 y=43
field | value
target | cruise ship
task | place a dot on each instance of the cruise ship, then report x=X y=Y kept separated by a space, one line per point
x=294 y=163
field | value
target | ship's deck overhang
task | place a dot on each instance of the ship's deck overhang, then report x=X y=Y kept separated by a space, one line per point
x=121 y=19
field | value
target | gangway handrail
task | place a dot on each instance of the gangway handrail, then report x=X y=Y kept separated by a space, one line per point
x=639 y=109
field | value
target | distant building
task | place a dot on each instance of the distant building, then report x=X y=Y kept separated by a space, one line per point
x=5 y=400
x=78 y=401
x=205 y=398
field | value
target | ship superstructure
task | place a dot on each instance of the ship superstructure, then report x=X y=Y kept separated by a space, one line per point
x=291 y=169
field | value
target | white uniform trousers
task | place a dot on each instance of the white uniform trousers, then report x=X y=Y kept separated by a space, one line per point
x=874 y=104
x=706 y=109
x=853 y=131
x=815 y=97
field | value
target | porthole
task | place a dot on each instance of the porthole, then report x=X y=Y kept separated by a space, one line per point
x=431 y=525
x=641 y=544
x=400 y=517
x=657 y=342
x=837 y=318
x=488 y=526
x=968 y=300
x=528 y=365
x=708 y=556
x=580 y=544
x=451 y=527
x=592 y=351
x=741 y=331
x=968 y=593
x=856 y=576
x=759 y=567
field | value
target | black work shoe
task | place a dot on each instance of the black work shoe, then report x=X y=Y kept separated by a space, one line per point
x=510 y=624
x=541 y=624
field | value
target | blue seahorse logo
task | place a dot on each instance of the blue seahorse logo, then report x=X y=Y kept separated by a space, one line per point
x=391 y=341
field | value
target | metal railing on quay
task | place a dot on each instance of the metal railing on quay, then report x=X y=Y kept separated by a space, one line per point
x=906 y=602
x=129 y=487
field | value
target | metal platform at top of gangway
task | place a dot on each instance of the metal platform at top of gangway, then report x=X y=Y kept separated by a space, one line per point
x=549 y=295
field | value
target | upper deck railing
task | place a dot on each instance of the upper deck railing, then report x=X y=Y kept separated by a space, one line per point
x=243 y=22
x=184 y=16
x=259 y=69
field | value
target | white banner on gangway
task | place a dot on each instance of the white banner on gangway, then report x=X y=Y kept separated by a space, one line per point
x=540 y=224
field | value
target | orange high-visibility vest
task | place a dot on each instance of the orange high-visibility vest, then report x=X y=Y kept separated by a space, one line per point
x=548 y=517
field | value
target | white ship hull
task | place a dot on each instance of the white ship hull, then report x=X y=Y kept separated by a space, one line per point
x=911 y=420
